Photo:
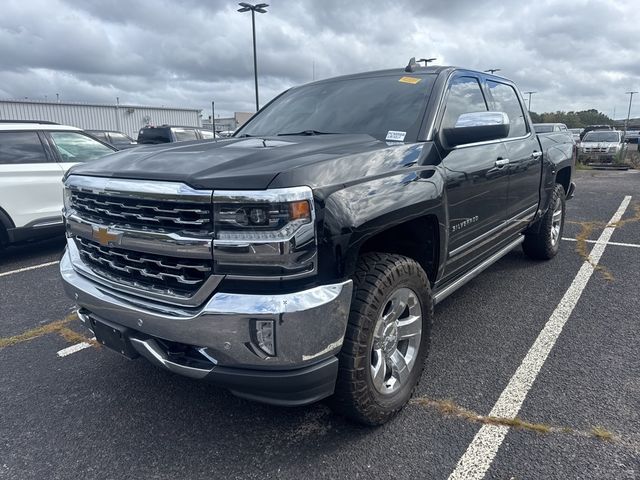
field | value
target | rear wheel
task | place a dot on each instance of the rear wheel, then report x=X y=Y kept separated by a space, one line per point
x=387 y=338
x=545 y=242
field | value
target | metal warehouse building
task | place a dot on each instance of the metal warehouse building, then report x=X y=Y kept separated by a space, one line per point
x=89 y=116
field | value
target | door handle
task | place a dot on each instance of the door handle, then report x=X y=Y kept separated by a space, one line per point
x=536 y=154
x=502 y=162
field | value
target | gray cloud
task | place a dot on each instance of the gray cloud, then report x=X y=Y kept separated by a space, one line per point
x=576 y=54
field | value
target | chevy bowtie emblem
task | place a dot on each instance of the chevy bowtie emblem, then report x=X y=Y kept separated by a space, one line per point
x=104 y=237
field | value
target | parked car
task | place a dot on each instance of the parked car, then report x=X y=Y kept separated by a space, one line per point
x=33 y=159
x=575 y=133
x=302 y=258
x=550 y=127
x=592 y=128
x=170 y=134
x=632 y=136
x=600 y=146
x=119 y=140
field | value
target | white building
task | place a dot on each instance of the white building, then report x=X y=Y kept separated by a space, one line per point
x=90 y=116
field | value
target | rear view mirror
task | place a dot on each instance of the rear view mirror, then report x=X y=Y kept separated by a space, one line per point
x=477 y=127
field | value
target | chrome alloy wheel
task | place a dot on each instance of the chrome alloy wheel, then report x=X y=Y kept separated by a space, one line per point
x=556 y=223
x=396 y=340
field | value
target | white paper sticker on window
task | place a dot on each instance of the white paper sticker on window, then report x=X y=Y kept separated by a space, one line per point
x=395 y=136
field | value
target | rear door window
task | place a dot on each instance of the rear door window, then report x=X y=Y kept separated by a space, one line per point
x=506 y=100
x=21 y=147
x=76 y=147
x=99 y=135
x=118 y=138
x=185 y=134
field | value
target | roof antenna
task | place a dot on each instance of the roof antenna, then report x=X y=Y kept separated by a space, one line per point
x=411 y=66
x=413 y=63
x=427 y=61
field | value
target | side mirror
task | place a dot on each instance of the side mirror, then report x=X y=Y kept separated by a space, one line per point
x=477 y=127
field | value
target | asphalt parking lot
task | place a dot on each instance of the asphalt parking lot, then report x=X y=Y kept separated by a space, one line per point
x=93 y=414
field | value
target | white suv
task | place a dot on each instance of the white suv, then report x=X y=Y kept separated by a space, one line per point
x=33 y=159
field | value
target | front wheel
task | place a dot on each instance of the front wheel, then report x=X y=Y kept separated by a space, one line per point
x=387 y=338
x=545 y=242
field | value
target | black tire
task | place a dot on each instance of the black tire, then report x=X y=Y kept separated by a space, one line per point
x=541 y=243
x=3 y=240
x=378 y=276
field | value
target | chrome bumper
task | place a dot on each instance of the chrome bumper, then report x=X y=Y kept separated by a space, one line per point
x=309 y=325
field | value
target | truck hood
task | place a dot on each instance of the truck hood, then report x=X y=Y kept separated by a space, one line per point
x=246 y=163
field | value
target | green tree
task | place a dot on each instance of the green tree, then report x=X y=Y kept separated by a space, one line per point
x=572 y=119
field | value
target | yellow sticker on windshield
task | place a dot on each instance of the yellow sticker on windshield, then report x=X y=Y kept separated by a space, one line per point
x=411 y=80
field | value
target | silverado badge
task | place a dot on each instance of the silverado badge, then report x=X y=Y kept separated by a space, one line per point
x=105 y=237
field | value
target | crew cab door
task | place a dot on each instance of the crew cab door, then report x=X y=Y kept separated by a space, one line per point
x=476 y=181
x=30 y=180
x=524 y=155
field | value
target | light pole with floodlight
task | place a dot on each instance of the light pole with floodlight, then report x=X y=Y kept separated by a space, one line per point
x=530 y=93
x=260 y=8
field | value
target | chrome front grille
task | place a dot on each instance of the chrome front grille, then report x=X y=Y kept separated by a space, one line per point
x=152 y=239
x=160 y=274
x=145 y=214
x=595 y=149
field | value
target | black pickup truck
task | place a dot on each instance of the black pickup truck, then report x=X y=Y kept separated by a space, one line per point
x=302 y=258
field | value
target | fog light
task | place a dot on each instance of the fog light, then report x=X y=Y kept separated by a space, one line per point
x=266 y=336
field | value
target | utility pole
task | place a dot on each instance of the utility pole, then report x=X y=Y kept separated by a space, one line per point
x=260 y=8
x=530 y=93
x=626 y=122
x=213 y=119
x=492 y=70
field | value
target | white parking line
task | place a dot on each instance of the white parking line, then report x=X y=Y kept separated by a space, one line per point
x=619 y=244
x=483 y=448
x=73 y=348
x=26 y=269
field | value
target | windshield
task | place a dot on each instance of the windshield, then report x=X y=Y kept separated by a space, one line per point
x=388 y=106
x=601 y=137
x=543 y=128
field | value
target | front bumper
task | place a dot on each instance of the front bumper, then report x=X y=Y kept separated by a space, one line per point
x=309 y=330
x=596 y=157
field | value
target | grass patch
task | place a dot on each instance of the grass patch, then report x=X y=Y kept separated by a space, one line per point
x=59 y=327
x=601 y=433
x=582 y=249
x=452 y=409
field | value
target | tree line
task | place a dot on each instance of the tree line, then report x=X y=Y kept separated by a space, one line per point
x=580 y=119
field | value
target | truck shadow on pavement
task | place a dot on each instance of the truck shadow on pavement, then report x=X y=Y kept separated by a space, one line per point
x=32 y=252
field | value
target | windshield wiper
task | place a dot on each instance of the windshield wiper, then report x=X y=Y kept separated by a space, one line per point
x=305 y=132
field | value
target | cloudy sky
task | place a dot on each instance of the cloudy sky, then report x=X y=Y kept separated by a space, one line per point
x=575 y=54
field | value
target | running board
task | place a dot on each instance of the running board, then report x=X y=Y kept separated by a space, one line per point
x=444 y=293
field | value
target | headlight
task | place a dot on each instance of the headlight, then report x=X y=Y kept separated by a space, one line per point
x=613 y=149
x=66 y=200
x=267 y=235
